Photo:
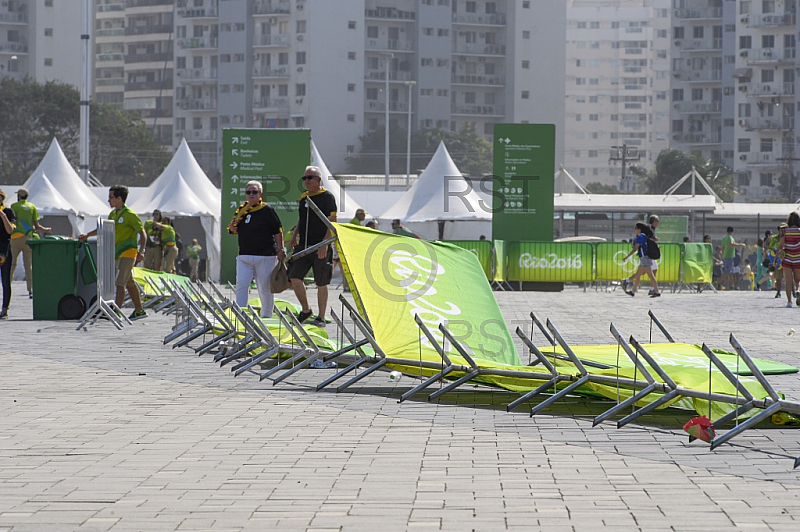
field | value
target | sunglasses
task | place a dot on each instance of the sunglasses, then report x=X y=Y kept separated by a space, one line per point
x=249 y=192
x=307 y=177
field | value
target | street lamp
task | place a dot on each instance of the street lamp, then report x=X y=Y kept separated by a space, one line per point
x=410 y=85
x=387 y=58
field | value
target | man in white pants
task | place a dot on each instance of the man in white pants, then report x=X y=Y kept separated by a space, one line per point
x=260 y=236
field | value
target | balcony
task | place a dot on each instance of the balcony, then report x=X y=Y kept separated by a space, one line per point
x=698 y=107
x=271 y=103
x=17 y=47
x=480 y=49
x=493 y=19
x=197 y=104
x=771 y=20
x=110 y=32
x=269 y=72
x=708 y=13
x=768 y=55
x=104 y=8
x=698 y=76
x=396 y=45
x=197 y=134
x=148 y=3
x=279 y=39
x=110 y=82
x=376 y=106
x=765 y=159
x=157 y=57
x=105 y=58
x=771 y=89
x=380 y=75
x=697 y=138
x=768 y=124
x=148 y=29
x=472 y=79
x=188 y=75
x=390 y=13
x=198 y=12
x=148 y=85
x=700 y=45
x=195 y=43
x=14 y=18
x=478 y=110
x=270 y=8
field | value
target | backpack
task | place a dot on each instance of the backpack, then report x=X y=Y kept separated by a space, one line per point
x=652 y=250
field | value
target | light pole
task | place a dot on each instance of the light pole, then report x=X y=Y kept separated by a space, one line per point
x=410 y=85
x=388 y=59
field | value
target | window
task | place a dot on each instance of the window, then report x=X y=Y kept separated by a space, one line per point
x=766 y=179
x=471 y=7
x=697 y=95
x=428 y=32
x=351 y=148
x=351 y=24
x=525 y=95
x=661 y=34
x=48 y=61
x=697 y=32
x=238 y=58
x=745 y=42
x=372 y=93
x=744 y=110
x=594 y=25
x=767 y=41
x=351 y=56
x=469 y=97
x=677 y=126
x=767 y=75
x=300 y=58
x=677 y=95
x=442 y=32
x=592 y=153
x=526 y=63
x=238 y=88
x=300 y=89
x=351 y=118
x=677 y=32
x=283 y=58
x=526 y=34
x=48 y=32
x=526 y=4
x=593 y=118
x=443 y=92
x=578 y=117
x=766 y=145
x=425 y=61
x=351 y=87
x=372 y=32
x=592 y=99
x=301 y=26
x=581 y=25
x=744 y=145
x=48 y=3
x=283 y=90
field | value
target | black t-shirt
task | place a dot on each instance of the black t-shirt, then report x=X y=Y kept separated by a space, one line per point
x=5 y=238
x=316 y=227
x=256 y=232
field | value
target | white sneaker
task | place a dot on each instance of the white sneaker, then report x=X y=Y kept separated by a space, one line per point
x=789 y=304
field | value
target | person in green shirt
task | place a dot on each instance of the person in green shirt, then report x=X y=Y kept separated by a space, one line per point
x=127 y=252
x=27 y=224
x=729 y=246
x=154 y=252
x=359 y=218
x=400 y=230
x=168 y=243
x=193 y=252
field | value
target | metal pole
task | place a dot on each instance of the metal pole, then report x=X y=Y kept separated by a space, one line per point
x=388 y=57
x=86 y=11
x=410 y=85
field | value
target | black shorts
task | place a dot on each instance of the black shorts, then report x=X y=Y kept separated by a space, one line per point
x=323 y=268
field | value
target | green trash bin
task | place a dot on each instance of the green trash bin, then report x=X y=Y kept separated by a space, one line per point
x=55 y=274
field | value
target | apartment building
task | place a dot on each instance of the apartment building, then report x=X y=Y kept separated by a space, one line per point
x=617 y=85
x=40 y=39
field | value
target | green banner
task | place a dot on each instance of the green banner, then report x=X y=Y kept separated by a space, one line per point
x=669 y=265
x=672 y=229
x=500 y=260
x=275 y=157
x=522 y=192
x=550 y=261
x=612 y=267
x=397 y=278
x=482 y=249
x=698 y=263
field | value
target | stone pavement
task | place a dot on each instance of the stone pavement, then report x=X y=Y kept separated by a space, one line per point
x=107 y=430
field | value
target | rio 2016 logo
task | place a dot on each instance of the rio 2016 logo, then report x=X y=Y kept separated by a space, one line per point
x=628 y=266
x=551 y=261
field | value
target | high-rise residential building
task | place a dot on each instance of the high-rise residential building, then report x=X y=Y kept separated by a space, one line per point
x=765 y=101
x=617 y=85
x=327 y=65
x=40 y=39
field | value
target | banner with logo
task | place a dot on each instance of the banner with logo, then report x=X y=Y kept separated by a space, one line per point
x=397 y=278
x=612 y=266
x=482 y=249
x=698 y=263
x=550 y=261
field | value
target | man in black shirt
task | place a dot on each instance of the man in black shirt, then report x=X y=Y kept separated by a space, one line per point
x=311 y=230
x=260 y=247
x=7 y=224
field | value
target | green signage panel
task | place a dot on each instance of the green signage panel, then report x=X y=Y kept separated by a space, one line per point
x=481 y=249
x=275 y=157
x=672 y=229
x=550 y=261
x=522 y=193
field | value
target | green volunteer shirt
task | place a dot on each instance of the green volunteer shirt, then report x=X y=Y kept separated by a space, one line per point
x=153 y=234
x=27 y=216
x=728 y=251
x=193 y=251
x=128 y=225
x=168 y=235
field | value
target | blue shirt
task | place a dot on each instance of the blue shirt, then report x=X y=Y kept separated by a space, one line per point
x=642 y=241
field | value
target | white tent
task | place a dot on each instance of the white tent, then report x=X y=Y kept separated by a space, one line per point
x=184 y=190
x=50 y=202
x=347 y=206
x=184 y=162
x=68 y=183
x=441 y=194
x=177 y=198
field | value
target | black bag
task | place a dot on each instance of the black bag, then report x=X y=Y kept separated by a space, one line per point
x=652 y=249
x=766 y=263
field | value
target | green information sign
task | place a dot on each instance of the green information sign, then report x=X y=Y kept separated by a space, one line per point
x=672 y=229
x=550 y=261
x=524 y=166
x=275 y=157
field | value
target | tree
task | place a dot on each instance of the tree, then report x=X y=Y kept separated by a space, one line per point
x=601 y=188
x=672 y=165
x=470 y=151
x=122 y=149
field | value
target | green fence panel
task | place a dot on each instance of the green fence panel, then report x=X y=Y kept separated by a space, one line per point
x=550 y=261
x=611 y=266
x=500 y=260
x=698 y=263
x=481 y=249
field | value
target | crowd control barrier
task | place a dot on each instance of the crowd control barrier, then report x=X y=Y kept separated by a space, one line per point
x=482 y=249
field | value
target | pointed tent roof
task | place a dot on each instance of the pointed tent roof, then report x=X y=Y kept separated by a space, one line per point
x=48 y=200
x=347 y=206
x=177 y=198
x=67 y=182
x=182 y=162
x=440 y=193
